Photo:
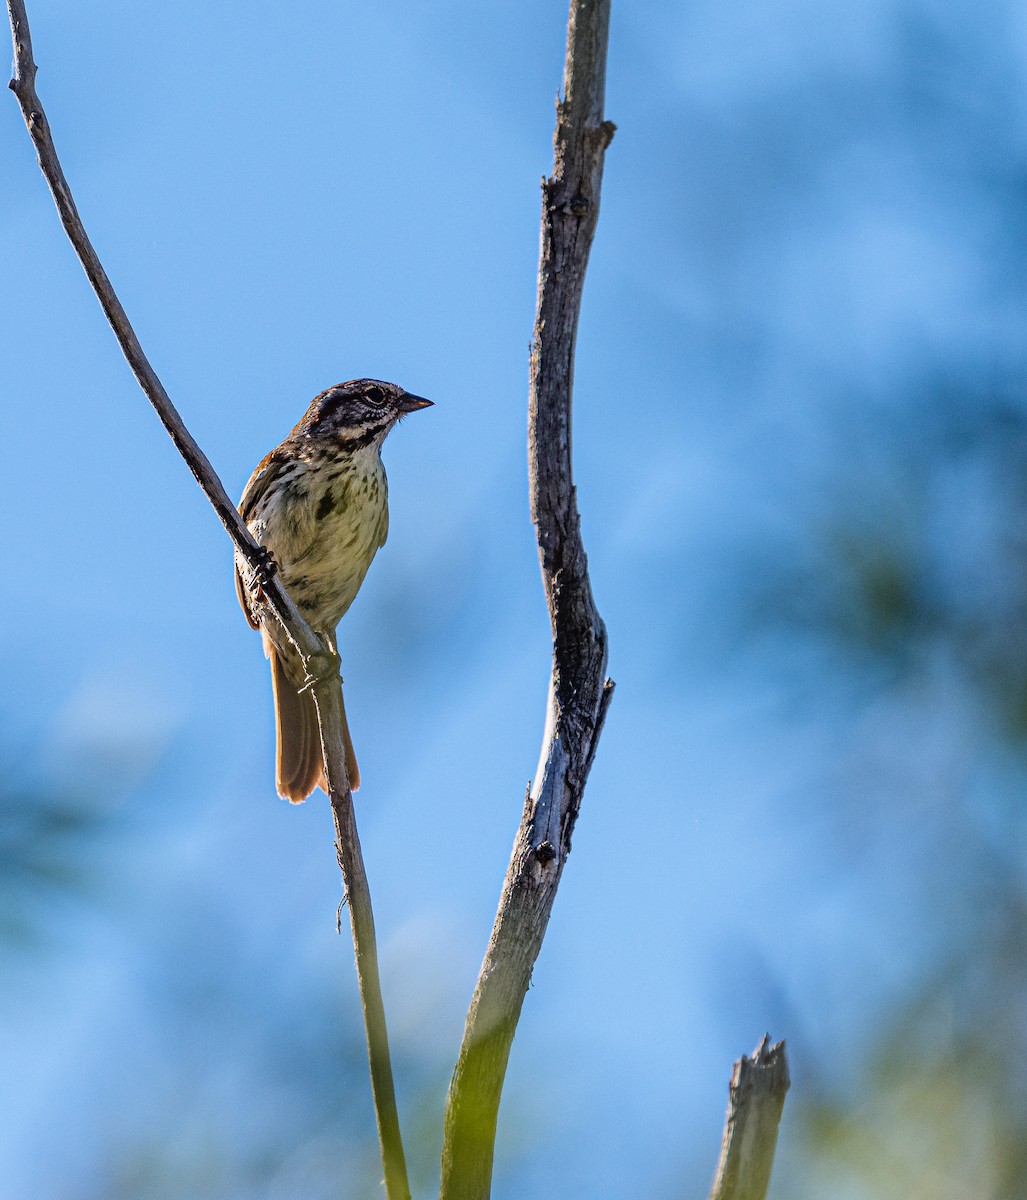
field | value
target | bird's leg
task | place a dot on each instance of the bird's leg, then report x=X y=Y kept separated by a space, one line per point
x=322 y=666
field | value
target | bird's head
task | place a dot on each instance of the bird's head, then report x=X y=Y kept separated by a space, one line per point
x=360 y=412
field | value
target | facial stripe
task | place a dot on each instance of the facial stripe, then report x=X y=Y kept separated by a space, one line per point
x=365 y=438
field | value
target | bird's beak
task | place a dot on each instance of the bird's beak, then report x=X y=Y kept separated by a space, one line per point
x=409 y=404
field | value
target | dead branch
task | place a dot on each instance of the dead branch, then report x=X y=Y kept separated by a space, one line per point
x=579 y=691
x=756 y=1101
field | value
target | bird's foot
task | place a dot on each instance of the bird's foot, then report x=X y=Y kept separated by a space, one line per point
x=264 y=567
x=321 y=667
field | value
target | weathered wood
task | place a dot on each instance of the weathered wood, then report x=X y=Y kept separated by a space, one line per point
x=579 y=691
x=756 y=1100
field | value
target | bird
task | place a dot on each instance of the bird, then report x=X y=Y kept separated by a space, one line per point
x=318 y=505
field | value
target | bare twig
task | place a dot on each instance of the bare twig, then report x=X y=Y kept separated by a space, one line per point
x=275 y=606
x=755 y=1104
x=579 y=692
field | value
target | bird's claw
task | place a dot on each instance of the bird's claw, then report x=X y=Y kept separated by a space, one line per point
x=264 y=566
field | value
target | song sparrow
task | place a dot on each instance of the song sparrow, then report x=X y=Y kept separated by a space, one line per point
x=319 y=504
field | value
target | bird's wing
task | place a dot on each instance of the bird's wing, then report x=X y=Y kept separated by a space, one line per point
x=244 y=600
x=268 y=470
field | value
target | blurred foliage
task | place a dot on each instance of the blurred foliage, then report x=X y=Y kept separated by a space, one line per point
x=917 y=548
x=47 y=843
x=275 y=1101
x=280 y=1109
x=939 y=1108
x=914 y=589
x=251 y=1077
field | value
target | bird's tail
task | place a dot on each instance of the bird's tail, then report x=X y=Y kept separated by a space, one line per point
x=299 y=767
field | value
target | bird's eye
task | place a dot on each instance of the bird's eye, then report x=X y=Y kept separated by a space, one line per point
x=375 y=397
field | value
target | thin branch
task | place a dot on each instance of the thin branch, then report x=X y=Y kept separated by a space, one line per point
x=756 y=1101
x=275 y=605
x=579 y=692
x=347 y=848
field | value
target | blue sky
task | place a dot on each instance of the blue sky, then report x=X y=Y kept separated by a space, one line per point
x=807 y=210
